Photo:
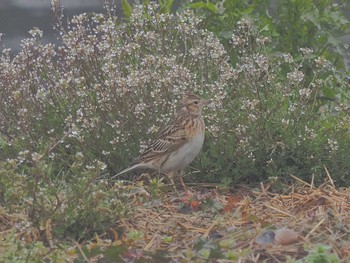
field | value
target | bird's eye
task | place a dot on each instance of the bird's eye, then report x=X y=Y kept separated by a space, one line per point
x=196 y=102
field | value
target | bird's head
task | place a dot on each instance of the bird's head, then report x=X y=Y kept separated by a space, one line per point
x=193 y=104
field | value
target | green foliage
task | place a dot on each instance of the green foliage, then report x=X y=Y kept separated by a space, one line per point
x=127 y=8
x=166 y=5
x=285 y=115
x=201 y=5
x=321 y=255
x=315 y=24
x=271 y=111
x=291 y=24
x=155 y=187
x=122 y=254
x=14 y=250
x=221 y=16
x=71 y=199
x=206 y=250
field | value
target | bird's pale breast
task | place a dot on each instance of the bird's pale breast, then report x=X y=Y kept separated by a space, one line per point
x=183 y=156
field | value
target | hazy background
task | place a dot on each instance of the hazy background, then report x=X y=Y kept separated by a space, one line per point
x=17 y=17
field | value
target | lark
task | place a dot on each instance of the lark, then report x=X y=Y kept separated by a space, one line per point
x=178 y=144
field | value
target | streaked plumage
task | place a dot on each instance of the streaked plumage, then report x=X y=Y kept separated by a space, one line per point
x=179 y=143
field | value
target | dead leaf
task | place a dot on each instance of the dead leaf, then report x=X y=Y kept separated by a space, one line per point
x=232 y=202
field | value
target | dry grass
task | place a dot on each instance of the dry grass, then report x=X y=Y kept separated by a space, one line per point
x=319 y=215
x=218 y=224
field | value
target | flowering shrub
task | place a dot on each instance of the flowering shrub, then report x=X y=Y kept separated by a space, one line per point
x=77 y=112
x=109 y=87
x=284 y=114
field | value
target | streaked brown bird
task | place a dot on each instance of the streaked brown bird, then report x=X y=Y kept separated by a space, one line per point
x=178 y=144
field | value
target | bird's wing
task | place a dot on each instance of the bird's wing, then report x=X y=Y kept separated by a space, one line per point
x=170 y=139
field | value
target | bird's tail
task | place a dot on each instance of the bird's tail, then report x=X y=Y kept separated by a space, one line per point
x=135 y=166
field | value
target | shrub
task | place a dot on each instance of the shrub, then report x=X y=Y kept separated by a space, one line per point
x=291 y=24
x=99 y=91
x=290 y=86
x=283 y=115
x=71 y=201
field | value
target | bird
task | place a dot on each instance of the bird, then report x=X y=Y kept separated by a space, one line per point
x=178 y=144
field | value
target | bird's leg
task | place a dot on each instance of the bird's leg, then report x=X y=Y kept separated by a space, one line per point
x=171 y=176
x=182 y=182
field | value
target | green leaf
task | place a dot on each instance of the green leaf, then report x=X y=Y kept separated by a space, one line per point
x=166 y=5
x=168 y=239
x=210 y=6
x=127 y=8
